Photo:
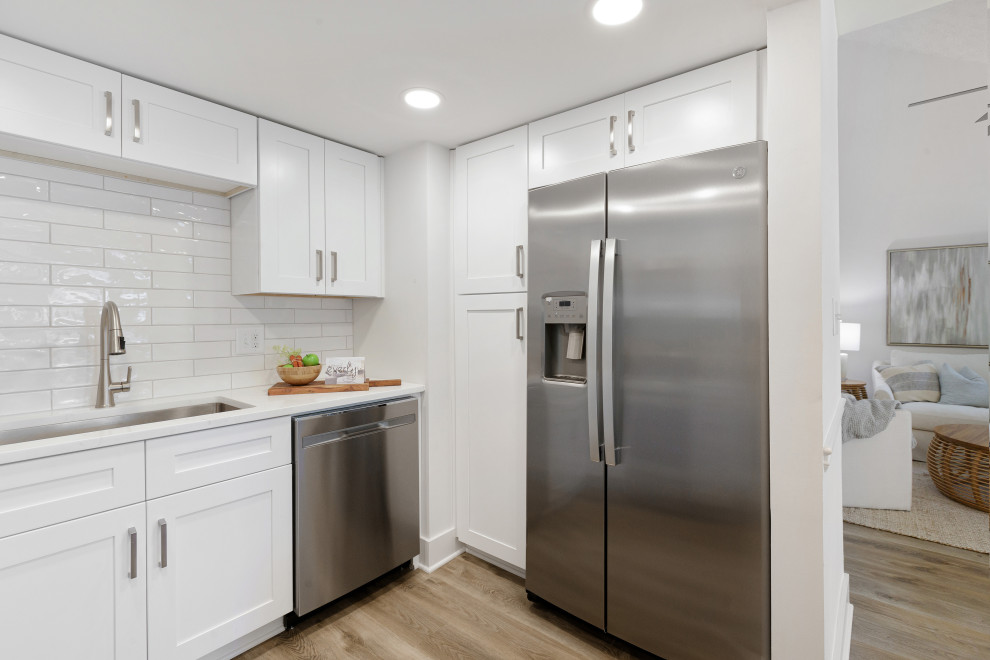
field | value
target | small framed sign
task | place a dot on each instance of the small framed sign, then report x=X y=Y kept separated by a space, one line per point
x=344 y=371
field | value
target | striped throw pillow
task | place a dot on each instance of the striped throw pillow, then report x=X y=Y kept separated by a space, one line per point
x=916 y=382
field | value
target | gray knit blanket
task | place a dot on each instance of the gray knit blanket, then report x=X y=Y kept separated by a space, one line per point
x=866 y=418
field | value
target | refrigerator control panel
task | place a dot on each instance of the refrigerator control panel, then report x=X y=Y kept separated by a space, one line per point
x=565 y=309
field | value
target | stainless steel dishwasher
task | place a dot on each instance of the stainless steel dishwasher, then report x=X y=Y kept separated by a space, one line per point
x=356 y=483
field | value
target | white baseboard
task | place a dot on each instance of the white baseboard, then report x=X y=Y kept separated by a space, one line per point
x=437 y=551
x=247 y=642
x=495 y=561
x=842 y=635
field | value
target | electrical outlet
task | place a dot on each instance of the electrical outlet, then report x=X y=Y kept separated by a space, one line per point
x=248 y=340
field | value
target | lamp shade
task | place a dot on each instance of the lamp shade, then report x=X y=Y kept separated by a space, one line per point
x=849 y=336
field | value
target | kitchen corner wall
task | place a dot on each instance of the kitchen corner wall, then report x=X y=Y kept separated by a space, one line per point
x=69 y=240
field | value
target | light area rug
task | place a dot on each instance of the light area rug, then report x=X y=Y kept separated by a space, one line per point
x=933 y=517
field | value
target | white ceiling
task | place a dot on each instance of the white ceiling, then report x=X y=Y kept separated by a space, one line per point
x=955 y=30
x=338 y=68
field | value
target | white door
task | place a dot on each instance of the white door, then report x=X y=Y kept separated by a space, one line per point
x=227 y=555
x=490 y=424
x=71 y=590
x=577 y=143
x=292 y=231
x=709 y=108
x=490 y=214
x=353 y=221
x=168 y=128
x=58 y=99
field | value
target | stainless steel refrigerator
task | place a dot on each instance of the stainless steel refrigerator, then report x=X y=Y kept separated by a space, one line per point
x=647 y=450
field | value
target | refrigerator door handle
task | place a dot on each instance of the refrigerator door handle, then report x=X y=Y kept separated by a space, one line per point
x=608 y=327
x=594 y=270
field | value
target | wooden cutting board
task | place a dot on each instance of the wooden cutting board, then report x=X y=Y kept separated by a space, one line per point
x=320 y=388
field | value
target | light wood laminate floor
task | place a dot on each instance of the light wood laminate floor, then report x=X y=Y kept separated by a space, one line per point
x=916 y=600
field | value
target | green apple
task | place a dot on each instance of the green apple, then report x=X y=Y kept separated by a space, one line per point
x=311 y=360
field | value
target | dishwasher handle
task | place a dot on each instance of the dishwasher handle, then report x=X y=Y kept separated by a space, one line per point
x=356 y=431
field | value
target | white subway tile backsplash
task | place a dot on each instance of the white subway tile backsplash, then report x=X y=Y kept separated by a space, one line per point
x=19 y=186
x=82 y=276
x=146 y=189
x=46 y=253
x=23 y=316
x=194 y=281
x=190 y=316
x=25 y=358
x=168 y=209
x=25 y=402
x=99 y=199
x=70 y=240
x=14 y=273
x=30 y=209
x=147 y=224
x=148 y=261
x=191 y=246
x=49 y=172
x=24 y=230
x=33 y=294
x=100 y=238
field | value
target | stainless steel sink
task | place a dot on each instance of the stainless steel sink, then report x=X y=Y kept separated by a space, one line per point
x=115 y=422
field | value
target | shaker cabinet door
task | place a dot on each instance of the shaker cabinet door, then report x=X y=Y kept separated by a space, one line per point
x=576 y=143
x=353 y=221
x=490 y=214
x=490 y=424
x=76 y=589
x=58 y=99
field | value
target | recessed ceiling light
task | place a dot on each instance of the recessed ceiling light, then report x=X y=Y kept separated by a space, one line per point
x=616 y=12
x=421 y=98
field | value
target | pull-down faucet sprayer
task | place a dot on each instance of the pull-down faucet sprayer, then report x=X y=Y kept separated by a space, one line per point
x=111 y=343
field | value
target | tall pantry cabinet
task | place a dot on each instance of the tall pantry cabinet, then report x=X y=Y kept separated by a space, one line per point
x=490 y=217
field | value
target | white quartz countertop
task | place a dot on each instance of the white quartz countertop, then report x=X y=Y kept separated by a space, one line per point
x=258 y=405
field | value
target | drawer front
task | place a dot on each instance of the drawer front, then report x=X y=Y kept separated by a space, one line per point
x=51 y=490
x=191 y=460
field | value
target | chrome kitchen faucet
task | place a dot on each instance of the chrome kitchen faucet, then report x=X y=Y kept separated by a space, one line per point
x=111 y=343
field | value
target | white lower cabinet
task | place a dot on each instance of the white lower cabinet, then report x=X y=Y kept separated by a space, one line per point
x=75 y=589
x=219 y=563
x=490 y=424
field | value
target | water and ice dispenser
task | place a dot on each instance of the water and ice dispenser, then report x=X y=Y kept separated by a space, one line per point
x=565 y=318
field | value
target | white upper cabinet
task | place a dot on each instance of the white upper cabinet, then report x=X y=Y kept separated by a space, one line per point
x=490 y=424
x=76 y=589
x=58 y=99
x=219 y=563
x=709 y=108
x=577 y=143
x=278 y=236
x=490 y=214
x=353 y=186
x=171 y=129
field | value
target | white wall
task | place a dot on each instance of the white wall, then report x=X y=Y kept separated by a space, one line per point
x=70 y=240
x=805 y=502
x=858 y=14
x=410 y=334
x=910 y=177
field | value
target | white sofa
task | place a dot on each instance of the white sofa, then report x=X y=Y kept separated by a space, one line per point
x=926 y=416
x=876 y=472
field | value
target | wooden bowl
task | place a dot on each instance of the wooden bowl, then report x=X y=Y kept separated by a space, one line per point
x=299 y=375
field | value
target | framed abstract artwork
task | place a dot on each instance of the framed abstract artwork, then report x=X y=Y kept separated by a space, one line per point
x=939 y=296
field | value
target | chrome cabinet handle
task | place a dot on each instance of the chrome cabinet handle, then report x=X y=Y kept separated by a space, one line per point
x=137 y=120
x=108 y=131
x=333 y=267
x=608 y=338
x=319 y=265
x=629 y=131
x=519 y=323
x=594 y=272
x=163 y=534
x=611 y=136
x=132 y=532
x=519 y=261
